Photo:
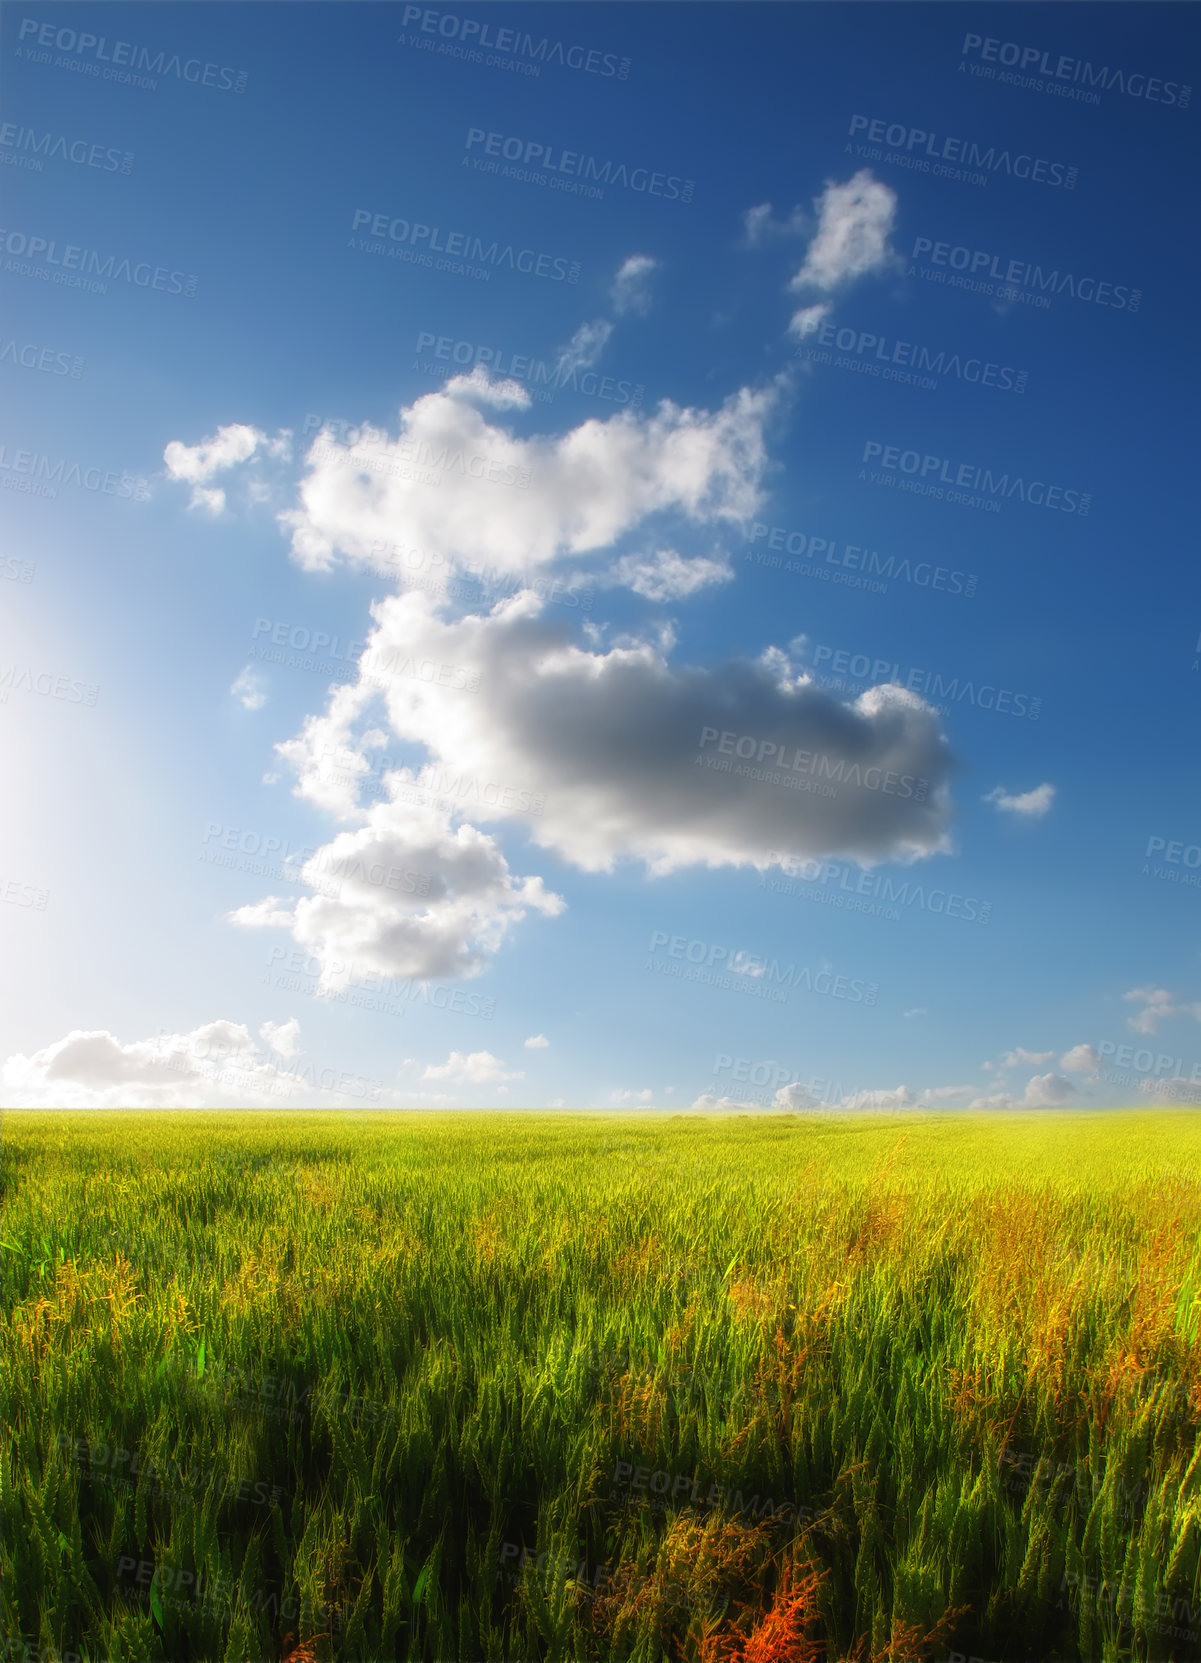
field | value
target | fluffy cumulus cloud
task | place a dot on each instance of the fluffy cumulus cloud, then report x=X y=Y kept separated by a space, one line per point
x=333 y=755
x=632 y=754
x=459 y=485
x=1157 y=1005
x=1027 y=805
x=537 y=1042
x=854 y=223
x=665 y=575
x=217 y=1063
x=282 y=1037
x=895 y=1101
x=476 y=1068
x=631 y=287
x=628 y=750
x=1041 y=1091
x=229 y=447
x=795 y=1098
x=1050 y=1090
x=406 y=894
x=1045 y=1091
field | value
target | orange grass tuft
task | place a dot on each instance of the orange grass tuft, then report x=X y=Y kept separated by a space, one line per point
x=780 y=1635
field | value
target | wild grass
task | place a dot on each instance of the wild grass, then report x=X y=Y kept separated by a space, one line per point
x=748 y=1390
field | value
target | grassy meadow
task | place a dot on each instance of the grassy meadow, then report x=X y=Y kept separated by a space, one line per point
x=503 y=1386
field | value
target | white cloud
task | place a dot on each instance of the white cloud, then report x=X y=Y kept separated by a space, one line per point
x=1044 y=1091
x=273 y=912
x=793 y=1099
x=460 y=486
x=809 y=319
x=1158 y=1006
x=854 y=223
x=216 y=1063
x=228 y=448
x=665 y=575
x=329 y=757
x=708 y=1104
x=918 y=1010
x=250 y=689
x=612 y=741
x=537 y=1042
x=630 y=291
x=1020 y=1058
x=1171 y=1091
x=631 y=1096
x=413 y=896
x=282 y=1037
x=1081 y=1059
x=1030 y=805
x=759 y=224
x=477 y=1068
x=798 y=1099
x=881 y=1101
x=584 y=348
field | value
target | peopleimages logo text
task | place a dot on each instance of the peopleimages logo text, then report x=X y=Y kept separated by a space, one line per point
x=1034 y=61
x=45 y=358
x=872 y=778
x=930 y=685
x=424 y=241
x=863 y=343
x=754 y=967
x=26 y=140
x=973 y=476
x=85 y=261
x=124 y=52
x=470 y=32
x=1020 y=164
x=34 y=466
x=979 y=265
x=924 y=573
x=532 y=153
x=517 y=366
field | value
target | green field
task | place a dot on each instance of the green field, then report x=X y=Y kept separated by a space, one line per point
x=481 y=1386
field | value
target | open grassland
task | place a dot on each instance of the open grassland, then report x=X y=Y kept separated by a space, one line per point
x=748 y=1390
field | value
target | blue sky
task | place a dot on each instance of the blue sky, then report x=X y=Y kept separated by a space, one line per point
x=741 y=770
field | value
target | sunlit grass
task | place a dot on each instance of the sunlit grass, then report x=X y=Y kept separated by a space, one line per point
x=750 y=1390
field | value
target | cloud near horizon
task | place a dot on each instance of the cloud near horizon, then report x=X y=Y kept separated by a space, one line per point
x=214 y=1065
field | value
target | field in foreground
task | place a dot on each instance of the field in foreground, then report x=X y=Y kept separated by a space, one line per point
x=774 y=1390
